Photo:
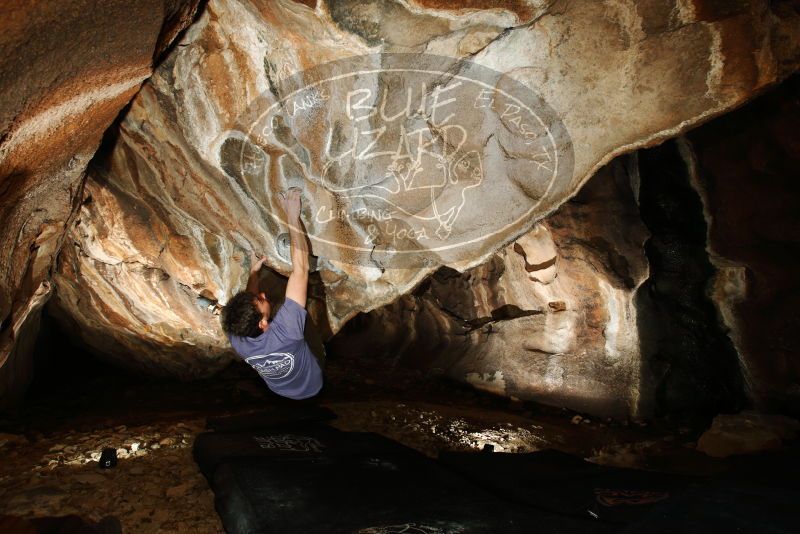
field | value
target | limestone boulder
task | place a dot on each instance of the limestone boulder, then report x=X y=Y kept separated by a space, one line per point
x=612 y=309
x=243 y=108
x=744 y=167
x=67 y=68
x=550 y=318
x=747 y=433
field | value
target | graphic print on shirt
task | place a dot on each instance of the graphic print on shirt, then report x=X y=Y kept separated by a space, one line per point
x=272 y=366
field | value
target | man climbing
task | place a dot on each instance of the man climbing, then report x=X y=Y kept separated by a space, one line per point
x=277 y=349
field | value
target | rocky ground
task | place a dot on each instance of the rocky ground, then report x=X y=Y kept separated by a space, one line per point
x=155 y=486
x=52 y=446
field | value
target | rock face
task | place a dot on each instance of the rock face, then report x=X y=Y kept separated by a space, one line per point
x=703 y=269
x=691 y=362
x=192 y=180
x=746 y=433
x=745 y=169
x=551 y=317
x=608 y=312
x=66 y=70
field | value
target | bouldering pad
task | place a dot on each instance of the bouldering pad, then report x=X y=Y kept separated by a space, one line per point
x=366 y=495
x=288 y=442
x=560 y=483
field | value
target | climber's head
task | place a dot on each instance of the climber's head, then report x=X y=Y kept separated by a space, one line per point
x=246 y=314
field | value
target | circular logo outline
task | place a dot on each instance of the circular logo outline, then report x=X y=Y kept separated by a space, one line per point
x=557 y=134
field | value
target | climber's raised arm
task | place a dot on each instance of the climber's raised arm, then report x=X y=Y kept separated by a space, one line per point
x=297 y=287
x=277 y=347
x=256 y=262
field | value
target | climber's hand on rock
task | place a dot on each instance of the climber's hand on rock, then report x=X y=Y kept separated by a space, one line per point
x=256 y=261
x=290 y=200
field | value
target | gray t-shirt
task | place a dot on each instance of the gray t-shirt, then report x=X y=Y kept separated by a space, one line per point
x=281 y=355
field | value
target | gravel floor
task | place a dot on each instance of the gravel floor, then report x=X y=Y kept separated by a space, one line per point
x=51 y=448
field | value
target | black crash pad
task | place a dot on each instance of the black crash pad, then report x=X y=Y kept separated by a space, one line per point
x=726 y=505
x=295 y=441
x=366 y=495
x=312 y=478
x=563 y=484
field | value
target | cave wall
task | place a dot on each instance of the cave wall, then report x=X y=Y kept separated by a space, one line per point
x=170 y=211
x=745 y=168
x=155 y=236
x=691 y=364
x=698 y=238
x=67 y=68
x=550 y=317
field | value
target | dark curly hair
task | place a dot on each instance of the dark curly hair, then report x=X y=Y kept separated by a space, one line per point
x=240 y=316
